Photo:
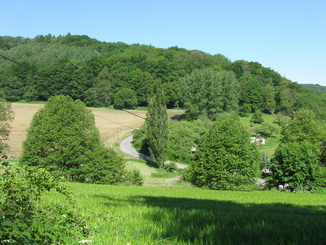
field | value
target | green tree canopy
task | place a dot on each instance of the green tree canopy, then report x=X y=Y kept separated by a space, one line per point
x=6 y=117
x=63 y=138
x=157 y=125
x=125 y=98
x=209 y=92
x=225 y=157
x=303 y=128
x=295 y=165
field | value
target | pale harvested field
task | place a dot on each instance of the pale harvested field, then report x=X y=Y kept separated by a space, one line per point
x=114 y=125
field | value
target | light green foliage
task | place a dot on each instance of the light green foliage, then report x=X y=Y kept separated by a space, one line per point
x=269 y=130
x=257 y=117
x=133 y=177
x=269 y=99
x=125 y=98
x=304 y=128
x=157 y=125
x=209 y=92
x=170 y=167
x=281 y=120
x=295 y=165
x=26 y=219
x=6 y=117
x=183 y=135
x=63 y=138
x=225 y=158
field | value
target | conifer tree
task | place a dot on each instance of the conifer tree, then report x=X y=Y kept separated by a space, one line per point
x=157 y=129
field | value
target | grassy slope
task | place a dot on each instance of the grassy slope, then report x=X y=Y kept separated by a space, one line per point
x=272 y=142
x=154 y=215
x=148 y=215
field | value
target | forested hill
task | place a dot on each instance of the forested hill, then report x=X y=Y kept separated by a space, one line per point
x=316 y=88
x=102 y=74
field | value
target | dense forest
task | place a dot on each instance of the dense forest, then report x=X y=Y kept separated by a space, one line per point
x=103 y=74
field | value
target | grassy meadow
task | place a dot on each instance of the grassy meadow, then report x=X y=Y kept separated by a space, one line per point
x=271 y=142
x=163 y=212
x=154 y=215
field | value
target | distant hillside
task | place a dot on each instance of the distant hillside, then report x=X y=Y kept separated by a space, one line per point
x=99 y=73
x=316 y=88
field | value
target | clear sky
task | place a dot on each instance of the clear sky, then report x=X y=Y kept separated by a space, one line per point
x=288 y=36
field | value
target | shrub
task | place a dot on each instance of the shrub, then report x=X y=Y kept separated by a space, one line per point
x=170 y=167
x=26 y=220
x=133 y=177
x=257 y=117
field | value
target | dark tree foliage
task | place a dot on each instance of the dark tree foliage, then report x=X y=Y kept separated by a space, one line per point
x=93 y=71
x=225 y=157
x=63 y=138
x=157 y=125
x=125 y=98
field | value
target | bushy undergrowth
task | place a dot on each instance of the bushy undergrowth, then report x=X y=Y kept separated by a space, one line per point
x=162 y=173
x=26 y=219
x=183 y=135
x=170 y=167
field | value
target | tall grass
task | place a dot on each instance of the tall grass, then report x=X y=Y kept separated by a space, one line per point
x=144 y=215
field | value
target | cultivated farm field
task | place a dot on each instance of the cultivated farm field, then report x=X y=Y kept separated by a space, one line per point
x=113 y=125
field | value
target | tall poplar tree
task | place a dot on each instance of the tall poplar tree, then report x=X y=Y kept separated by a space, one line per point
x=157 y=120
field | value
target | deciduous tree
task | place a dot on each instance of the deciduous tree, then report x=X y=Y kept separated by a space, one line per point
x=63 y=138
x=209 y=92
x=225 y=157
x=295 y=165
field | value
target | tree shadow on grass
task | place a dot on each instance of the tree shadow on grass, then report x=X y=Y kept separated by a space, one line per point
x=197 y=221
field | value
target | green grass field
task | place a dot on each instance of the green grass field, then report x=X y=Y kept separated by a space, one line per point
x=153 y=215
x=271 y=142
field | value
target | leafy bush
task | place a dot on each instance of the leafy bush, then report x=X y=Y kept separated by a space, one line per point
x=322 y=179
x=170 y=167
x=257 y=117
x=133 y=177
x=182 y=136
x=26 y=220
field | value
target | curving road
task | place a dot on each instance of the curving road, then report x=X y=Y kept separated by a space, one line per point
x=126 y=147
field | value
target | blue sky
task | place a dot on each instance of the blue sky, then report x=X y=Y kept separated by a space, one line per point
x=288 y=36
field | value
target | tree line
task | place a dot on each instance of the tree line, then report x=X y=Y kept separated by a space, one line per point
x=122 y=75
